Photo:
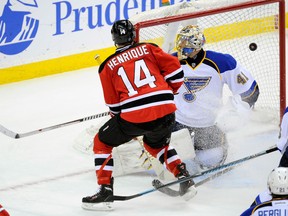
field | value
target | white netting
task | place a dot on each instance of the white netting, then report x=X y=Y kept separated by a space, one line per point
x=228 y=32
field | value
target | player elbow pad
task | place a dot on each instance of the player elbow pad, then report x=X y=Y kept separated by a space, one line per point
x=252 y=97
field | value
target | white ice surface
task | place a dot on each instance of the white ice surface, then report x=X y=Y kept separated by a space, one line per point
x=42 y=175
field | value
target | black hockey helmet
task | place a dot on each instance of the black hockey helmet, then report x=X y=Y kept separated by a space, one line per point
x=123 y=32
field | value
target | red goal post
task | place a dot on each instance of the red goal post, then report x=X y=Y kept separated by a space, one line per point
x=230 y=28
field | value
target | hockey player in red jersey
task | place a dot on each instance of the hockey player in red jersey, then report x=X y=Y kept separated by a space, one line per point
x=139 y=82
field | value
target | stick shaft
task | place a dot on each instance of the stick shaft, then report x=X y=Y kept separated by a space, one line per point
x=231 y=164
x=15 y=135
x=174 y=193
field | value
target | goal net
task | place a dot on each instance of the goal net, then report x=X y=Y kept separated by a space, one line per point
x=251 y=31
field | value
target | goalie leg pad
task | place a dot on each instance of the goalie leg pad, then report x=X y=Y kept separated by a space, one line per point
x=210 y=158
x=167 y=156
x=183 y=143
x=208 y=137
x=126 y=159
x=85 y=140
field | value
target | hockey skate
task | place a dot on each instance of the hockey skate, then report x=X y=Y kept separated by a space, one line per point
x=187 y=189
x=101 y=201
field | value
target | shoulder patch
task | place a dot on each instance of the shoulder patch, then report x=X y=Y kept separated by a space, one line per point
x=224 y=62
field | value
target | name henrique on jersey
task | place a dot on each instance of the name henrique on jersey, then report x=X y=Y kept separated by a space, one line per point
x=200 y=96
x=139 y=82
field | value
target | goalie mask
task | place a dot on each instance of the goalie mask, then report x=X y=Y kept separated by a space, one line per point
x=278 y=181
x=189 y=40
x=123 y=32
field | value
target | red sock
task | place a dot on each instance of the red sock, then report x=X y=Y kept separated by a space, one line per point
x=166 y=155
x=103 y=161
x=3 y=212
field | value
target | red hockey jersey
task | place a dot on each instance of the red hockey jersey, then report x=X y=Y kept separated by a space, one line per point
x=139 y=81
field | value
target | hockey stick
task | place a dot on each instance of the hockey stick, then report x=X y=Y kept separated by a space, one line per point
x=174 y=193
x=231 y=164
x=15 y=135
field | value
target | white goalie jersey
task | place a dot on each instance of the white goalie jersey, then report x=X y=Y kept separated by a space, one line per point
x=200 y=97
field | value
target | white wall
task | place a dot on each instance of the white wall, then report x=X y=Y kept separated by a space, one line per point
x=66 y=26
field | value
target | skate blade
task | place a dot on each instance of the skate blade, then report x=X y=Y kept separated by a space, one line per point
x=190 y=193
x=104 y=206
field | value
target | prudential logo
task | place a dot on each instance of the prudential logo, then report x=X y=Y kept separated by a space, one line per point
x=17 y=27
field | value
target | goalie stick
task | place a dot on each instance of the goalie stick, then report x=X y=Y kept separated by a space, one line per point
x=15 y=135
x=231 y=164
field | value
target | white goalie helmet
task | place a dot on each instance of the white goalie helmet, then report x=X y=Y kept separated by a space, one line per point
x=278 y=181
x=189 y=39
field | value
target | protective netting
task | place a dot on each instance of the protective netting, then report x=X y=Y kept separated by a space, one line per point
x=249 y=34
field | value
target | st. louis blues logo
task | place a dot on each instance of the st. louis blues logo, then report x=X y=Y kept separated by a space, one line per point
x=194 y=84
x=17 y=27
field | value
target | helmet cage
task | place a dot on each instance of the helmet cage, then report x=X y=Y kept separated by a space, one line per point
x=189 y=39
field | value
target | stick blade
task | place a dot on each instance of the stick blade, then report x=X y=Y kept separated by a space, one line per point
x=166 y=190
x=8 y=132
x=192 y=191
